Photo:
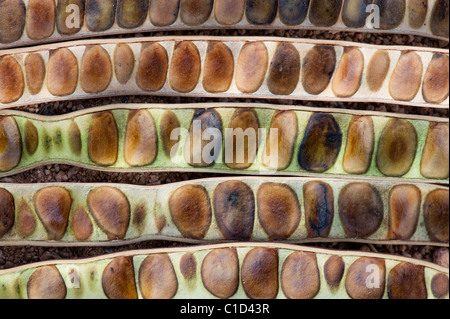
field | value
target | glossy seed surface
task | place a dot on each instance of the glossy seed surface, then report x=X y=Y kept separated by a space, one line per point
x=404 y=211
x=435 y=155
x=360 y=145
x=152 y=68
x=284 y=72
x=406 y=78
x=103 y=139
x=218 y=68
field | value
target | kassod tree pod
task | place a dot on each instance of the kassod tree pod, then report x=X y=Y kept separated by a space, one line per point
x=238 y=271
x=27 y=22
x=225 y=209
x=273 y=68
x=230 y=138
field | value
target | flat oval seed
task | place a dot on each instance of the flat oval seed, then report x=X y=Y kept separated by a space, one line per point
x=103 y=139
x=354 y=13
x=278 y=210
x=81 y=225
x=62 y=72
x=220 y=272
x=261 y=12
x=123 y=62
x=243 y=149
x=141 y=139
x=251 y=67
x=360 y=145
x=293 y=12
x=164 y=12
x=229 y=12
x=439 y=19
x=333 y=270
x=324 y=13
x=300 y=278
x=95 y=70
x=280 y=141
x=26 y=222
x=111 y=211
x=53 y=206
x=417 y=13
x=34 y=72
x=319 y=208
x=407 y=77
x=131 y=13
x=152 y=69
x=100 y=14
x=234 y=209
x=435 y=155
x=407 y=281
x=284 y=71
x=46 y=283
x=157 y=278
x=439 y=285
x=360 y=210
x=12 y=80
x=357 y=278
x=10 y=144
x=12 y=20
x=70 y=16
x=75 y=138
x=436 y=211
x=392 y=13
x=169 y=123
x=41 y=19
x=118 y=279
x=259 y=273
x=185 y=67
x=7 y=211
x=404 y=211
x=321 y=143
x=188 y=266
x=218 y=69
x=348 y=76
x=31 y=137
x=435 y=86
x=377 y=70
x=396 y=148
x=190 y=209
x=318 y=68
x=195 y=12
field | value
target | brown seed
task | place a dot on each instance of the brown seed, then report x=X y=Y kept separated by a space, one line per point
x=10 y=144
x=334 y=271
x=261 y=11
x=190 y=209
x=439 y=285
x=41 y=19
x=139 y=217
x=75 y=138
x=404 y=211
x=69 y=16
x=259 y=273
x=164 y=12
x=123 y=62
x=251 y=67
x=53 y=206
x=318 y=68
x=152 y=68
x=131 y=13
x=321 y=143
x=111 y=211
x=439 y=20
x=392 y=13
x=435 y=211
x=229 y=12
x=278 y=210
x=435 y=155
x=300 y=278
x=11 y=78
x=100 y=14
x=234 y=209
x=293 y=12
x=354 y=13
x=407 y=77
x=141 y=139
x=348 y=76
x=95 y=70
x=157 y=278
x=12 y=20
x=31 y=137
x=220 y=272
x=118 y=279
x=435 y=86
x=284 y=72
x=396 y=148
x=242 y=146
x=360 y=145
x=26 y=223
x=188 y=266
x=282 y=135
x=185 y=67
x=81 y=225
x=62 y=72
x=7 y=211
x=34 y=72
x=160 y=223
x=218 y=69
x=103 y=139
x=417 y=13
x=407 y=281
x=359 y=285
x=46 y=283
x=377 y=70
x=169 y=123
x=324 y=13
x=319 y=208
x=195 y=12
x=360 y=210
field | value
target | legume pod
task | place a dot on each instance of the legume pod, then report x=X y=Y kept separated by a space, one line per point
x=274 y=68
x=25 y=22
